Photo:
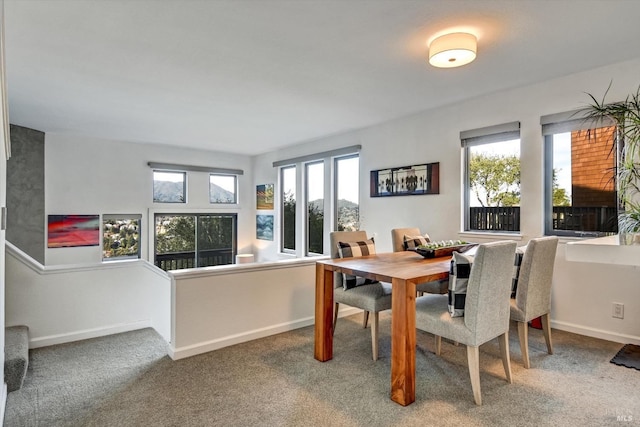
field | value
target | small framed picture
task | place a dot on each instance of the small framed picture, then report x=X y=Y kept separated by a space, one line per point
x=264 y=197
x=65 y=231
x=264 y=227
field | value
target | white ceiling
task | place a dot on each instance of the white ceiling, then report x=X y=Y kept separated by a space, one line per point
x=253 y=76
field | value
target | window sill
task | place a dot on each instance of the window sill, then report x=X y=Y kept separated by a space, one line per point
x=490 y=235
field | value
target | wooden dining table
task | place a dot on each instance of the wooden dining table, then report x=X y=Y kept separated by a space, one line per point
x=404 y=270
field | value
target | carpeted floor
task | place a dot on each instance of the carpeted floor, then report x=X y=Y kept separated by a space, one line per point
x=127 y=380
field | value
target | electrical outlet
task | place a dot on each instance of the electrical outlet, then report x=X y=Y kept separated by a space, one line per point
x=618 y=310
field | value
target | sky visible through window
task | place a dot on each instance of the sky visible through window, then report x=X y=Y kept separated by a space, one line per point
x=289 y=181
x=348 y=179
x=349 y=173
x=562 y=160
x=226 y=182
x=168 y=176
x=561 y=157
x=316 y=181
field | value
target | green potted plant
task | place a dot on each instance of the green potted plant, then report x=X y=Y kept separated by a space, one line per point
x=625 y=115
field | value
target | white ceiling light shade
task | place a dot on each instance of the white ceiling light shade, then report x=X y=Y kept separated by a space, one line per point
x=453 y=50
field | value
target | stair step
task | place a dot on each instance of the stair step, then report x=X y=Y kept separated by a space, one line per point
x=16 y=356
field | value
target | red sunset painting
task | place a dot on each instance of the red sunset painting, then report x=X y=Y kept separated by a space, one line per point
x=73 y=230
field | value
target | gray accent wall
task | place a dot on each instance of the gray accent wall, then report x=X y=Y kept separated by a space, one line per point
x=25 y=192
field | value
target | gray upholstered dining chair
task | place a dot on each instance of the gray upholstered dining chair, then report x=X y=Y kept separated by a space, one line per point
x=397 y=241
x=533 y=292
x=372 y=298
x=486 y=312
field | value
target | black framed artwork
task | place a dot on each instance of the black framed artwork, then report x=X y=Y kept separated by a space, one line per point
x=406 y=180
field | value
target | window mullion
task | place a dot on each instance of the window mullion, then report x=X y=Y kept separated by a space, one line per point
x=196 y=237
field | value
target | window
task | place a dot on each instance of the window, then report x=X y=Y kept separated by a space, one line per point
x=194 y=240
x=120 y=236
x=315 y=207
x=223 y=189
x=330 y=183
x=347 y=193
x=170 y=183
x=288 y=200
x=169 y=187
x=580 y=188
x=492 y=178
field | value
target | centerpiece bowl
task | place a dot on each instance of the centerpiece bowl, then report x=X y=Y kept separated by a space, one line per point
x=443 y=248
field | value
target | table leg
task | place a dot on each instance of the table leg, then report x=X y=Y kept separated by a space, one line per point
x=324 y=314
x=403 y=342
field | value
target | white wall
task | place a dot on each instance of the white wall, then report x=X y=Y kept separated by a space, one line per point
x=69 y=303
x=215 y=307
x=582 y=293
x=92 y=176
x=75 y=296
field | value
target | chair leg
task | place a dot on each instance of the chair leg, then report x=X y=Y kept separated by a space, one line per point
x=546 y=328
x=503 y=341
x=374 y=335
x=365 y=319
x=438 y=343
x=335 y=316
x=523 y=335
x=473 y=359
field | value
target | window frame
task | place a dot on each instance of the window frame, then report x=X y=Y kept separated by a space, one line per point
x=330 y=210
x=566 y=122
x=123 y=217
x=474 y=138
x=336 y=213
x=235 y=188
x=307 y=240
x=196 y=214
x=184 y=186
x=281 y=209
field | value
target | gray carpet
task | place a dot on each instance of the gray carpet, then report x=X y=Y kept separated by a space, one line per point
x=127 y=380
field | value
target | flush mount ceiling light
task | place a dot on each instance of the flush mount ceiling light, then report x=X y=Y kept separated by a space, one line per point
x=453 y=50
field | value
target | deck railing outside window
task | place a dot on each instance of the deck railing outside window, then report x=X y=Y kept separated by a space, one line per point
x=494 y=218
x=588 y=219
x=181 y=260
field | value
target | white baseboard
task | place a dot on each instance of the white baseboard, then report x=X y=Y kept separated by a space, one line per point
x=88 y=333
x=595 y=333
x=204 y=347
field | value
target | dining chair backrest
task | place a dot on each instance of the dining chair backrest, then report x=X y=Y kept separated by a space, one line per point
x=486 y=308
x=343 y=236
x=533 y=295
x=397 y=237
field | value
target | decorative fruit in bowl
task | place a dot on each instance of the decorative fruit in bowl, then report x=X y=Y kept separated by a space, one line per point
x=443 y=248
